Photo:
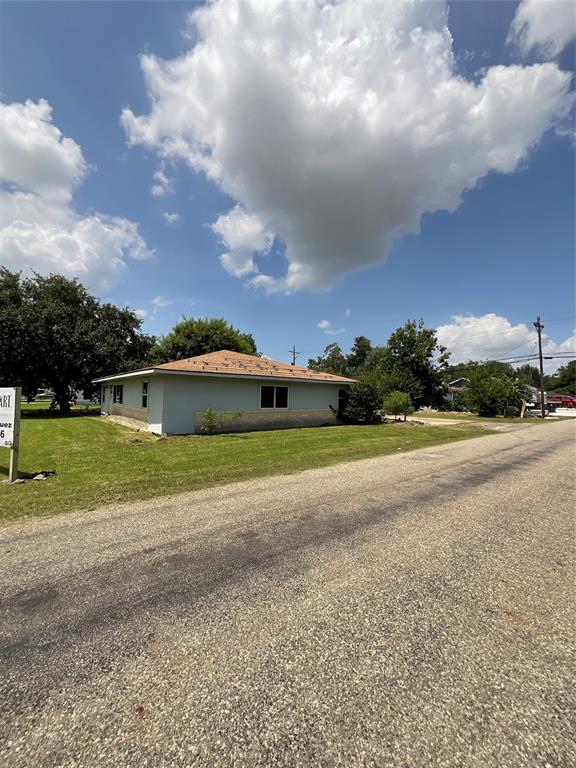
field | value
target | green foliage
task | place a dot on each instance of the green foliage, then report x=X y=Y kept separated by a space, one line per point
x=358 y=356
x=563 y=381
x=398 y=403
x=490 y=395
x=484 y=394
x=464 y=370
x=198 y=336
x=456 y=403
x=334 y=361
x=331 y=361
x=363 y=403
x=412 y=361
x=528 y=374
x=213 y=421
x=55 y=334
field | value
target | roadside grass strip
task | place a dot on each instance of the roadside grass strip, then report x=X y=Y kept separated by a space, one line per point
x=470 y=417
x=99 y=462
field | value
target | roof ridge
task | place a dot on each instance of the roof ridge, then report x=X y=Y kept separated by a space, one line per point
x=231 y=363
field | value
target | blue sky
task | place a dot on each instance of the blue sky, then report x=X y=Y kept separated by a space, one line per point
x=506 y=251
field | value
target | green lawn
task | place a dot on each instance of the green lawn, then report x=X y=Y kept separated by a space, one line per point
x=99 y=462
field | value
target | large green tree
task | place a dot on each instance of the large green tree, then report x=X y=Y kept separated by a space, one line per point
x=412 y=361
x=332 y=360
x=55 y=334
x=359 y=354
x=17 y=357
x=563 y=381
x=199 y=335
x=528 y=374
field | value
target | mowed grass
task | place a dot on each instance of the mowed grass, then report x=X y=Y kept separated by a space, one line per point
x=99 y=462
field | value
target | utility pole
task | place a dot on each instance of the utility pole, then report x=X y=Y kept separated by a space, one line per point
x=294 y=354
x=539 y=328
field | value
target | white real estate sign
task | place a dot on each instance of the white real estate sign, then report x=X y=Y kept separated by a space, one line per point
x=7 y=416
x=10 y=425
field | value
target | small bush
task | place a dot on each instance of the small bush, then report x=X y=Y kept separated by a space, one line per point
x=398 y=403
x=213 y=421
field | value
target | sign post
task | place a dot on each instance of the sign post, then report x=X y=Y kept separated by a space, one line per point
x=10 y=398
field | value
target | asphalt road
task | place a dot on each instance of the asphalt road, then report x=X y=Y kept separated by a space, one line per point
x=413 y=610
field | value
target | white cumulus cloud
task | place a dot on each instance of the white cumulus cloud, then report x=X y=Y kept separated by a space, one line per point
x=171 y=218
x=336 y=126
x=163 y=184
x=545 y=25
x=491 y=337
x=39 y=229
x=488 y=336
x=327 y=327
x=34 y=154
x=159 y=302
x=243 y=235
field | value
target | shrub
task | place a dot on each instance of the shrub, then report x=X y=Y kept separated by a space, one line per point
x=213 y=421
x=363 y=403
x=396 y=403
x=485 y=394
x=490 y=395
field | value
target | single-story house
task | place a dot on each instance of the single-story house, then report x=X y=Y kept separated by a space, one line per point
x=247 y=392
x=455 y=388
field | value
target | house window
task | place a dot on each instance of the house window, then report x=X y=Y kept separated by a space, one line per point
x=145 y=394
x=118 y=396
x=103 y=394
x=273 y=397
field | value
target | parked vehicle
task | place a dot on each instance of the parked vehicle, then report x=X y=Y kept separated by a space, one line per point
x=44 y=394
x=533 y=402
x=562 y=401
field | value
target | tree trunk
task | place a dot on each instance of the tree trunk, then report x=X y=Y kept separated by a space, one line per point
x=62 y=400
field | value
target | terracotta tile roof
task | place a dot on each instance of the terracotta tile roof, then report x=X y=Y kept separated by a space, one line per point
x=237 y=364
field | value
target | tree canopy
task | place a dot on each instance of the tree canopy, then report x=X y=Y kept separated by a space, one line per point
x=411 y=361
x=563 y=381
x=333 y=360
x=199 y=335
x=490 y=394
x=54 y=334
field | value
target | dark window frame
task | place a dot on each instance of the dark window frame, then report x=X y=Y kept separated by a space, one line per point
x=145 y=394
x=274 y=405
x=118 y=396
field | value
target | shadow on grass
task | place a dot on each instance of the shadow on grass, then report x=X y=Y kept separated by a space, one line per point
x=46 y=413
x=25 y=475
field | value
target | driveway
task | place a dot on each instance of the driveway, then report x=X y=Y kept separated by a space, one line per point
x=413 y=610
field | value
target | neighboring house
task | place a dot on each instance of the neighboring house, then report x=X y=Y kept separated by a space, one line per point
x=454 y=388
x=254 y=392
